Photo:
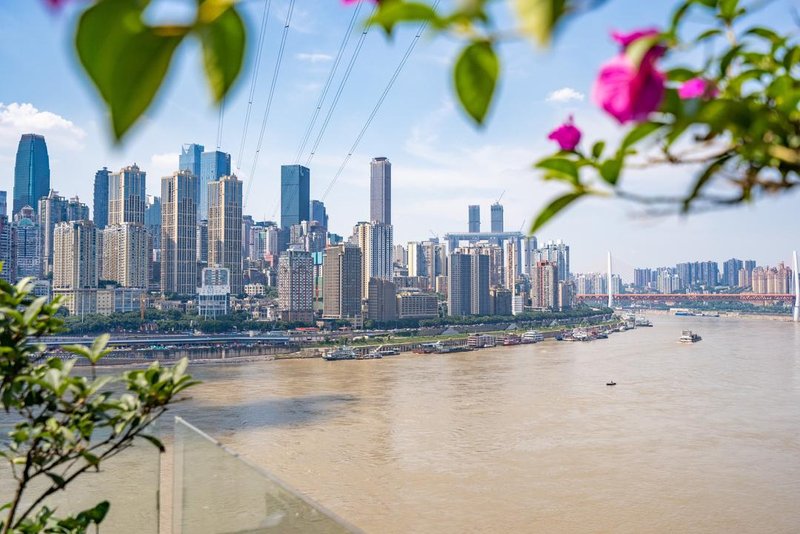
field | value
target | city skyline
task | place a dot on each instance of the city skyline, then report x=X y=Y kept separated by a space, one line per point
x=421 y=145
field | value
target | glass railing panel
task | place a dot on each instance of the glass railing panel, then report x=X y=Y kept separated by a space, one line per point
x=216 y=492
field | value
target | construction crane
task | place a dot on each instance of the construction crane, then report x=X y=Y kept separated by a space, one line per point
x=500 y=197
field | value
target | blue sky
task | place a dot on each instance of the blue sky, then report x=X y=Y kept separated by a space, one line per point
x=440 y=162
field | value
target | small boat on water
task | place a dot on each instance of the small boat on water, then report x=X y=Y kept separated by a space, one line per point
x=511 y=339
x=339 y=353
x=687 y=336
x=532 y=336
x=641 y=321
x=372 y=355
x=612 y=383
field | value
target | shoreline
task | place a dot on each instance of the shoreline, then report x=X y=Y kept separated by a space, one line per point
x=725 y=315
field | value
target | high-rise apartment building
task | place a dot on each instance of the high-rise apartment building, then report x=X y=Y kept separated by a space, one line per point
x=54 y=209
x=557 y=253
x=3 y=203
x=459 y=285
x=100 y=198
x=213 y=166
x=75 y=265
x=152 y=221
x=31 y=172
x=381 y=301
x=544 y=285
x=497 y=217
x=27 y=245
x=179 y=233
x=127 y=253
x=380 y=191
x=319 y=213
x=375 y=242
x=480 y=303
x=342 y=282
x=295 y=195
x=474 y=212
x=296 y=286
x=512 y=269
x=730 y=272
x=127 y=196
x=225 y=228
x=202 y=243
x=6 y=250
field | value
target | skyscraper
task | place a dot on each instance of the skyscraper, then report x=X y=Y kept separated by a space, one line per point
x=31 y=172
x=295 y=195
x=544 y=285
x=190 y=157
x=100 y=198
x=225 y=228
x=179 y=233
x=319 y=213
x=474 y=218
x=497 y=217
x=127 y=198
x=480 y=303
x=27 y=237
x=380 y=191
x=54 y=209
x=6 y=250
x=126 y=255
x=375 y=242
x=459 y=285
x=342 y=286
x=213 y=166
x=296 y=286
x=3 y=203
x=557 y=253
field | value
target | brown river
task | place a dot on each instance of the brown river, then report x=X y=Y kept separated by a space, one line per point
x=693 y=438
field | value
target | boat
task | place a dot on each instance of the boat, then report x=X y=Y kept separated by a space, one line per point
x=425 y=348
x=387 y=351
x=532 y=336
x=641 y=321
x=340 y=353
x=479 y=341
x=372 y=355
x=687 y=336
x=511 y=339
x=612 y=383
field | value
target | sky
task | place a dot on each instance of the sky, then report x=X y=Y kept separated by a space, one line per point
x=441 y=163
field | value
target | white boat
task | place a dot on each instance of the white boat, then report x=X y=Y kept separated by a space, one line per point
x=687 y=336
x=532 y=336
x=339 y=353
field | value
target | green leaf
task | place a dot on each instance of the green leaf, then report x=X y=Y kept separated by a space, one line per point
x=703 y=179
x=554 y=208
x=57 y=480
x=560 y=167
x=154 y=440
x=637 y=50
x=708 y=34
x=728 y=9
x=639 y=132
x=390 y=13
x=681 y=74
x=610 y=169
x=475 y=74
x=597 y=149
x=538 y=18
x=223 y=41
x=125 y=59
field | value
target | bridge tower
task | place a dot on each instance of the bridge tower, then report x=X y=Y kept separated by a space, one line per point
x=611 y=286
x=796 y=308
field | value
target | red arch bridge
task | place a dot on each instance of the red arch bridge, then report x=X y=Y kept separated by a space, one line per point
x=675 y=298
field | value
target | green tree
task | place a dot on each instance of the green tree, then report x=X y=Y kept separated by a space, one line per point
x=67 y=425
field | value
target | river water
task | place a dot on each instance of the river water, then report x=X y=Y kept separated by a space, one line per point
x=694 y=438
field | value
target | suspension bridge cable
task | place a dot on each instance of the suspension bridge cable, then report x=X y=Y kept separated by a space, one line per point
x=328 y=82
x=275 y=75
x=339 y=90
x=254 y=79
x=378 y=104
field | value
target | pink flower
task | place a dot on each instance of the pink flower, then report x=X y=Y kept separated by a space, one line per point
x=626 y=39
x=567 y=135
x=626 y=91
x=697 y=88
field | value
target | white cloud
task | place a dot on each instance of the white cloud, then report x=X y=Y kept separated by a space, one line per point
x=20 y=118
x=313 y=57
x=160 y=165
x=564 y=95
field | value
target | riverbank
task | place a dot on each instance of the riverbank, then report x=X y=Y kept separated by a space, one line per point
x=722 y=315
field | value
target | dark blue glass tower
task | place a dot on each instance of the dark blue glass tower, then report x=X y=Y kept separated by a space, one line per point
x=189 y=160
x=295 y=194
x=100 y=199
x=319 y=213
x=213 y=166
x=31 y=173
